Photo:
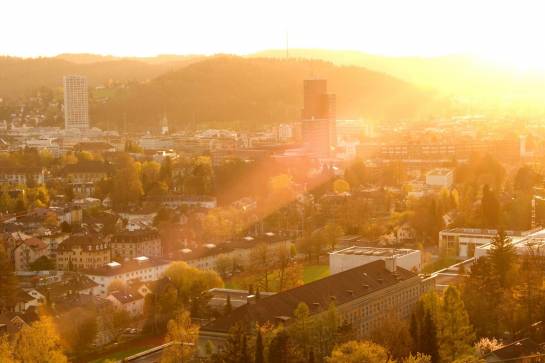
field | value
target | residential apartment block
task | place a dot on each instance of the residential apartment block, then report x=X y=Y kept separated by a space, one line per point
x=82 y=251
x=138 y=269
x=131 y=244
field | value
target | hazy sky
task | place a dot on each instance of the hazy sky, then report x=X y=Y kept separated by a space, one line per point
x=511 y=30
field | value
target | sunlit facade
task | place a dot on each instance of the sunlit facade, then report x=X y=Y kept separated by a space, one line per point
x=76 y=103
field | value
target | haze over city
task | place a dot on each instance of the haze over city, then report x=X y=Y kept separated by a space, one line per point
x=272 y=181
x=507 y=32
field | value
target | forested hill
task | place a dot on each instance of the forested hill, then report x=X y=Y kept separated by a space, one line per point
x=256 y=91
x=459 y=75
x=21 y=76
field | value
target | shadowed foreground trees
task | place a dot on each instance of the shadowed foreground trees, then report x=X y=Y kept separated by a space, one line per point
x=37 y=343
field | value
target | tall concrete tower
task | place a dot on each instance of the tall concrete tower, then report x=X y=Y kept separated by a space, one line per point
x=76 y=102
x=164 y=125
x=318 y=118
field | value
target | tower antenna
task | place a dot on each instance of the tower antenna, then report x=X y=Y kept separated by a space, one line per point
x=287 y=46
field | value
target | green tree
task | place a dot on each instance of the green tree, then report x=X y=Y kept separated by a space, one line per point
x=429 y=342
x=418 y=358
x=525 y=179
x=300 y=330
x=341 y=186
x=78 y=328
x=190 y=286
x=6 y=355
x=455 y=332
x=469 y=359
x=150 y=174
x=38 y=343
x=332 y=232
x=259 y=355
x=8 y=282
x=359 y=352
x=233 y=349
x=282 y=349
x=183 y=334
x=502 y=256
x=394 y=335
x=165 y=173
x=126 y=184
x=490 y=208
x=483 y=295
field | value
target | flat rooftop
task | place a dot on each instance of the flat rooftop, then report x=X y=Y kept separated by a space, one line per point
x=440 y=172
x=484 y=232
x=533 y=241
x=373 y=251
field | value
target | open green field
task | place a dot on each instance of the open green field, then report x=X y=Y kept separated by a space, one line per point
x=310 y=273
x=315 y=272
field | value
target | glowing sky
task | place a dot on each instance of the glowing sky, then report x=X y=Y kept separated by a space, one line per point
x=509 y=31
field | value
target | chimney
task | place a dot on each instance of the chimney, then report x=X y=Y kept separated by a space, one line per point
x=391 y=264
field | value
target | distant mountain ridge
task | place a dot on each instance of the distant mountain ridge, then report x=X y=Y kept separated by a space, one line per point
x=459 y=75
x=83 y=58
x=20 y=76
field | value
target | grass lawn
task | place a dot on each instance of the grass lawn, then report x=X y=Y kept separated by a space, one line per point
x=315 y=272
x=310 y=273
x=439 y=264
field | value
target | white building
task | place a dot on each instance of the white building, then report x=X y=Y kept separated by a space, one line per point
x=76 y=103
x=440 y=177
x=22 y=175
x=205 y=257
x=355 y=256
x=149 y=142
x=462 y=242
x=285 y=131
x=140 y=268
x=45 y=143
x=533 y=244
x=130 y=301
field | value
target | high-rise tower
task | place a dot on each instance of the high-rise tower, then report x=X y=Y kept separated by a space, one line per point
x=318 y=118
x=76 y=103
x=164 y=125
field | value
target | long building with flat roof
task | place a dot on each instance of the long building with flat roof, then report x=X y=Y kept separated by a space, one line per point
x=532 y=243
x=364 y=297
x=462 y=242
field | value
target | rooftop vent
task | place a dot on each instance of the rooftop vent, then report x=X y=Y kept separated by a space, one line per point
x=113 y=264
x=210 y=245
x=249 y=238
x=270 y=234
x=380 y=280
x=350 y=292
x=365 y=286
x=141 y=259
